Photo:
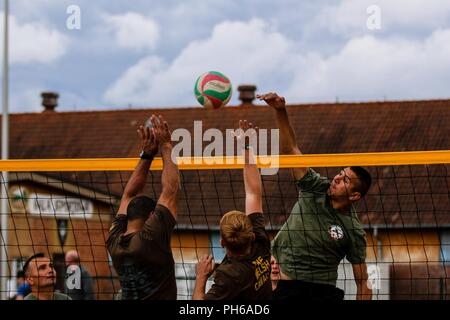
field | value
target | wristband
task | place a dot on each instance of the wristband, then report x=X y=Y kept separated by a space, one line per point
x=145 y=156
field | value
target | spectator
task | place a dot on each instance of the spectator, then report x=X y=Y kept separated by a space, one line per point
x=41 y=276
x=81 y=288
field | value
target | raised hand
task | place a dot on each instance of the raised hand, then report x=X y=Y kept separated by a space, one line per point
x=205 y=267
x=273 y=100
x=161 y=129
x=246 y=129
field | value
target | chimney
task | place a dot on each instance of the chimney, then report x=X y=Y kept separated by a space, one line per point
x=49 y=101
x=247 y=93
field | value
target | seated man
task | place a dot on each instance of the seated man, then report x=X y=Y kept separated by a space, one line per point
x=245 y=271
x=41 y=276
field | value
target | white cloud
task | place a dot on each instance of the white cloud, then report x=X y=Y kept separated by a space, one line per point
x=365 y=67
x=134 y=31
x=26 y=100
x=134 y=86
x=349 y=17
x=35 y=42
x=371 y=68
x=244 y=51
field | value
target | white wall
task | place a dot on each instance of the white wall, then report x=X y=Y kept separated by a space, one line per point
x=378 y=277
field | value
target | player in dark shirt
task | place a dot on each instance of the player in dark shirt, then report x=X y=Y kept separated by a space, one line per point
x=245 y=271
x=139 y=238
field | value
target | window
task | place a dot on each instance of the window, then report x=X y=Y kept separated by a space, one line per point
x=217 y=251
x=445 y=246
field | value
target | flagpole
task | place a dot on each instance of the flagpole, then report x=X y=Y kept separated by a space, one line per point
x=5 y=145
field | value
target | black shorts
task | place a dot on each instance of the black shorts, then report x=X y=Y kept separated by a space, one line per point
x=297 y=290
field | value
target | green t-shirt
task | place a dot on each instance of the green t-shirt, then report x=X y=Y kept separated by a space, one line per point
x=56 y=296
x=315 y=238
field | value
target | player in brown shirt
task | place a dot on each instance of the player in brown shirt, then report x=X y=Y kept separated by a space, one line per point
x=245 y=271
x=139 y=237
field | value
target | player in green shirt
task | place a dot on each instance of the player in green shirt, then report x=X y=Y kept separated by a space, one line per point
x=322 y=228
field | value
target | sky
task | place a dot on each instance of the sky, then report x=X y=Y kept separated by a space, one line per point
x=117 y=54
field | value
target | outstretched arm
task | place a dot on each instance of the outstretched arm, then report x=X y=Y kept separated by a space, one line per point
x=287 y=134
x=136 y=183
x=252 y=177
x=170 y=175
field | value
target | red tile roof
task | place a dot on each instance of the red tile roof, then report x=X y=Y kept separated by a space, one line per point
x=320 y=128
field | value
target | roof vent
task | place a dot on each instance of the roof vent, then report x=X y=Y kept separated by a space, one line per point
x=49 y=101
x=247 y=93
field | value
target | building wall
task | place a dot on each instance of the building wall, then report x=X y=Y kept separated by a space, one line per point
x=404 y=246
x=29 y=234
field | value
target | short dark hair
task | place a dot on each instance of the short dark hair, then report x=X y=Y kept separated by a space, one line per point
x=20 y=274
x=140 y=208
x=364 y=180
x=27 y=263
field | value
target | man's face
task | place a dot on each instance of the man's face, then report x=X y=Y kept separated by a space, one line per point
x=343 y=184
x=42 y=274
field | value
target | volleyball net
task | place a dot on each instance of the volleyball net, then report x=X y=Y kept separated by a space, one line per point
x=53 y=206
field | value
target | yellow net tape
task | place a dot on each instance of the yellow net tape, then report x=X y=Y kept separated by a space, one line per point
x=205 y=163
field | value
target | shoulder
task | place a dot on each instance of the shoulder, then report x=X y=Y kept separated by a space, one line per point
x=162 y=209
x=118 y=227
x=163 y=213
x=355 y=225
x=119 y=223
x=257 y=219
x=259 y=229
x=312 y=181
x=232 y=271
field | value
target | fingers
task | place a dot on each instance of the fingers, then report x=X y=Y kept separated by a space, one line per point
x=272 y=99
x=144 y=134
x=159 y=124
x=154 y=121
x=207 y=262
x=147 y=134
x=152 y=136
x=245 y=125
x=166 y=127
x=241 y=124
x=140 y=132
x=267 y=96
x=206 y=258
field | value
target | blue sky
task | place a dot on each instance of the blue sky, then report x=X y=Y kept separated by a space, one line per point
x=149 y=53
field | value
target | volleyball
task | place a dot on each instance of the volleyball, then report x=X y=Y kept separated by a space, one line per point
x=213 y=90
